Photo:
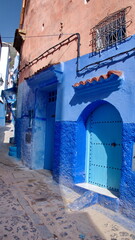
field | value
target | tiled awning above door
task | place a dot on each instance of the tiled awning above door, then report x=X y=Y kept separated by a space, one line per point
x=111 y=78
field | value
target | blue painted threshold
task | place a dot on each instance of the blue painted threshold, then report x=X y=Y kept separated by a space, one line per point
x=92 y=195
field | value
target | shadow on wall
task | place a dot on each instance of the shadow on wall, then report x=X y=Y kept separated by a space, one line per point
x=109 y=61
x=90 y=96
x=95 y=91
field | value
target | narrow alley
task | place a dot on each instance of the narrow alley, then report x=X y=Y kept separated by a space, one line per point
x=33 y=206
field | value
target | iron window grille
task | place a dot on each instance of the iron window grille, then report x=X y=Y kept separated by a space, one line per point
x=109 y=31
x=52 y=96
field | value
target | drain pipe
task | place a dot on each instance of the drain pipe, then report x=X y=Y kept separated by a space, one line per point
x=22 y=14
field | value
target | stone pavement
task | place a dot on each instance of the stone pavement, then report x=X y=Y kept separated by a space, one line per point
x=34 y=207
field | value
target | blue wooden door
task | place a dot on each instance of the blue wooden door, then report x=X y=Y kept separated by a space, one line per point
x=50 y=123
x=104 y=150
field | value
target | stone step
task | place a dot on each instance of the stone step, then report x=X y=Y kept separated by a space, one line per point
x=89 y=197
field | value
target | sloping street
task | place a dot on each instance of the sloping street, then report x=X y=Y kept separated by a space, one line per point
x=33 y=206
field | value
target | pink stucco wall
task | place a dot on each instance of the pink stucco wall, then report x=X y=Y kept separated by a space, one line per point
x=44 y=17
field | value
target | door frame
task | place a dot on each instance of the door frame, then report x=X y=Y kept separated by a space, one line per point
x=50 y=99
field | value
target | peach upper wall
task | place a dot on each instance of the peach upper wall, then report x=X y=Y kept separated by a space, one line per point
x=44 y=17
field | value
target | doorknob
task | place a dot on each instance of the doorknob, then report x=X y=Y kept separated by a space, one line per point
x=113 y=144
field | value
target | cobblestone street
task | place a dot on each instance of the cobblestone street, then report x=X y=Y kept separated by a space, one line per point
x=34 y=207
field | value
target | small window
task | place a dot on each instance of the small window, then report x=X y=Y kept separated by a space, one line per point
x=52 y=96
x=110 y=31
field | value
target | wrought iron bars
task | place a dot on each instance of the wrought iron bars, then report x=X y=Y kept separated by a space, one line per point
x=109 y=31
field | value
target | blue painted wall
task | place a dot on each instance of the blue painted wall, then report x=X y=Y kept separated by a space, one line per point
x=65 y=153
x=2 y=114
x=72 y=111
x=127 y=190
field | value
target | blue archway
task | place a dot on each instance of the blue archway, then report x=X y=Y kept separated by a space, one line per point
x=81 y=170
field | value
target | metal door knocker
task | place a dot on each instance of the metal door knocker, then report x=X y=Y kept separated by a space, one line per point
x=113 y=144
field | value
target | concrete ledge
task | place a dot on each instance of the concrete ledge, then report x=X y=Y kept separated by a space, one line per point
x=96 y=189
x=95 y=195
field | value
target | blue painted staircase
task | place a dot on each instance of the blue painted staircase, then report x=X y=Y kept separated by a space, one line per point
x=12 y=151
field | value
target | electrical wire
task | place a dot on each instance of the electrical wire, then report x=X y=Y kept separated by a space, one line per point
x=48 y=35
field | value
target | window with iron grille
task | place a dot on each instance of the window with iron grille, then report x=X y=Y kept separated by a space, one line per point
x=109 y=31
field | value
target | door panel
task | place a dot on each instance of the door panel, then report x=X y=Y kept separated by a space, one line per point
x=50 y=124
x=104 y=131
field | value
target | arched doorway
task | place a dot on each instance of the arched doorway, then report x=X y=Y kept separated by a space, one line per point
x=104 y=148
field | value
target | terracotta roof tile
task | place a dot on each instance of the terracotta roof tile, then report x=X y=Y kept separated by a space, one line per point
x=99 y=78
